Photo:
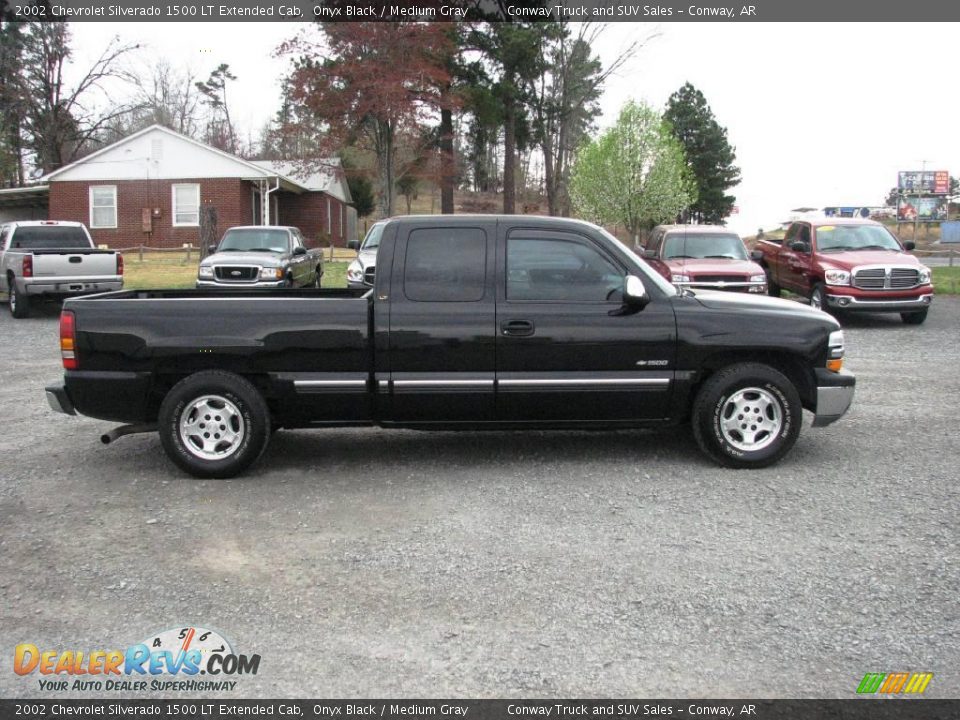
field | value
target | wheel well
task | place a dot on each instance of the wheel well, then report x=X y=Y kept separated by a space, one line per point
x=795 y=369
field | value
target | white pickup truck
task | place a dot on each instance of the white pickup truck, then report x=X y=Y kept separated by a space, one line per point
x=53 y=259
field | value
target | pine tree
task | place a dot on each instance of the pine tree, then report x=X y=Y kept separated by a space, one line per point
x=709 y=154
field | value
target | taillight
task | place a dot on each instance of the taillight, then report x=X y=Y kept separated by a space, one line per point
x=27 y=266
x=68 y=340
x=119 y=264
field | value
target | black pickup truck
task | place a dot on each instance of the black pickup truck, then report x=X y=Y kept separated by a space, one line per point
x=474 y=322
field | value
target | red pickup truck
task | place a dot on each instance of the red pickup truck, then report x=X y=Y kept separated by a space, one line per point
x=850 y=265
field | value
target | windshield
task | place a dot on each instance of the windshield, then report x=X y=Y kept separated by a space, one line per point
x=681 y=245
x=649 y=274
x=254 y=240
x=49 y=237
x=372 y=240
x=855 y=237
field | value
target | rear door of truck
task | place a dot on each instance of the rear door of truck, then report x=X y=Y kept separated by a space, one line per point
x=442 y=322
x=566 y=350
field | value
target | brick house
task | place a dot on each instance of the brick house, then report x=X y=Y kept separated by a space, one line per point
x=153 y=187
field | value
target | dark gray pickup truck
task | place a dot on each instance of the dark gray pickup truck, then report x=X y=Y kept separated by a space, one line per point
x=474 y=322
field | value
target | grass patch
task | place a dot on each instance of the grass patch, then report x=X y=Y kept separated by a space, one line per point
x=158 y=271
x=946 y=280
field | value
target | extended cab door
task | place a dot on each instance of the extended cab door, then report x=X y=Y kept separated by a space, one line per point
x=793 y=269
x=567 y=348
x=442 y=330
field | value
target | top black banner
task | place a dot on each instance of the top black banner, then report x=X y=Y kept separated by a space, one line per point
x=858 y=11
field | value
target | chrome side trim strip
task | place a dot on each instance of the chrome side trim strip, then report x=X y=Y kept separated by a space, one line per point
x=328 y=383
x=443 y=383
x=584 y=382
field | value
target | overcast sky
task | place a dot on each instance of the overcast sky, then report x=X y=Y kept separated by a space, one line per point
x=820 y=114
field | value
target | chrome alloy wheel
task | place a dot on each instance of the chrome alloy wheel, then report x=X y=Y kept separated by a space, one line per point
x=211 y=427
x=751 y=419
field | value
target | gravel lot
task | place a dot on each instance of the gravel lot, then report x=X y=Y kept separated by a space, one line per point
x=376 y=563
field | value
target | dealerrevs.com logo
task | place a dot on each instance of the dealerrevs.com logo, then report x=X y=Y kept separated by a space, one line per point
x=182 y=653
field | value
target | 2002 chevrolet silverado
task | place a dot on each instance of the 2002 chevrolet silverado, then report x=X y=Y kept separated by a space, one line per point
x=474 y=322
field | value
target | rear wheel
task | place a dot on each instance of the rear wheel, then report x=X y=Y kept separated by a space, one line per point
x=317 y=277
x=914 y=318
x=19 y=302
x=214 y=424
x=773 y=290
x=747 y=415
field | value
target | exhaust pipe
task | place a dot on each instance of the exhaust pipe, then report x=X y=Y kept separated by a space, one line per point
x=119 y=432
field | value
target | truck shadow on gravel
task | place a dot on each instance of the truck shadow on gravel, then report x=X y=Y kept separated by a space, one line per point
x=364 y=451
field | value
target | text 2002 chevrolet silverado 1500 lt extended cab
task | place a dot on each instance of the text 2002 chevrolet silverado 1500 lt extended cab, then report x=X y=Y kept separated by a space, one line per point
x=54 y=259
x=473 y=322
x=847 y=264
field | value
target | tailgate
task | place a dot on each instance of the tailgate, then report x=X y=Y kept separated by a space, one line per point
x=68 y=264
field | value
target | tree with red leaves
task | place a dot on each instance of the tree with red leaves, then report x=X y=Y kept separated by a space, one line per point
x=369 y=84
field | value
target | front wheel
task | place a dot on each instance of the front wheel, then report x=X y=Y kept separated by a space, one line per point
x=214 y=424
x=19 y=302
x=818 y=298
x=747 y=415
x=914 y=318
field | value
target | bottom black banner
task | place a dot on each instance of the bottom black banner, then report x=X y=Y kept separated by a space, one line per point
x=854 y=709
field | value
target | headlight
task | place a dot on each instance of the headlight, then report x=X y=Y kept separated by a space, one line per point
x=677 y=278
x=835 y=351
x=355 y=272
x=206 y=271
x=271 y=273
x=758 y=278
x=837 y=277
x=924 y=277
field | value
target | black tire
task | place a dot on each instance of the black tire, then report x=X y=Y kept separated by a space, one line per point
x=219 y=402
x=18 y=303
x=318 y=276
x=773 y=290
x=818 y=298
x=914 y=318
x=747 y=382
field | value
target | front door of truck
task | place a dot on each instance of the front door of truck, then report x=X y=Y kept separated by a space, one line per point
x=442 y=324
x=566 y=350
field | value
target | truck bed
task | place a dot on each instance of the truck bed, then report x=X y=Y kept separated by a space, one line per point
x=142 y=341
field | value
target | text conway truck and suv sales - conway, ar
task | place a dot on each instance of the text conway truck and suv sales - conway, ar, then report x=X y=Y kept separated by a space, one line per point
x=473 y=322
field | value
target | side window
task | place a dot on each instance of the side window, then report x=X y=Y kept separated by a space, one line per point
x=804 y=234
x=296 y=240
x=445 y=265
x=791 y=234
x=559 y=270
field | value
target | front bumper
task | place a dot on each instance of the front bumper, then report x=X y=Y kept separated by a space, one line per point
x=59 y=401
x=241 y=285
x=834 y=395
x=866 y=304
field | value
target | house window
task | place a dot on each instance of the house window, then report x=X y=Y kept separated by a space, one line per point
x=329 y=219
x=103 y=206
x=186 y=205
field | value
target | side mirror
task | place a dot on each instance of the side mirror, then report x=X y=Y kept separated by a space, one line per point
x=353 y=244
x=650 y=253
x=634 y=293
x=300 y=250
x=799 y=246
x=909 y=245
x=212 y=248
x=756 y=255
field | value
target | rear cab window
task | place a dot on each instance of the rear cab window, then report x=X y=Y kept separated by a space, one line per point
x=445 y=265
x=49 y=237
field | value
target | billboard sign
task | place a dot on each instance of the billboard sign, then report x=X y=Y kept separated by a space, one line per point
x=922 y=209
x=936 y=182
